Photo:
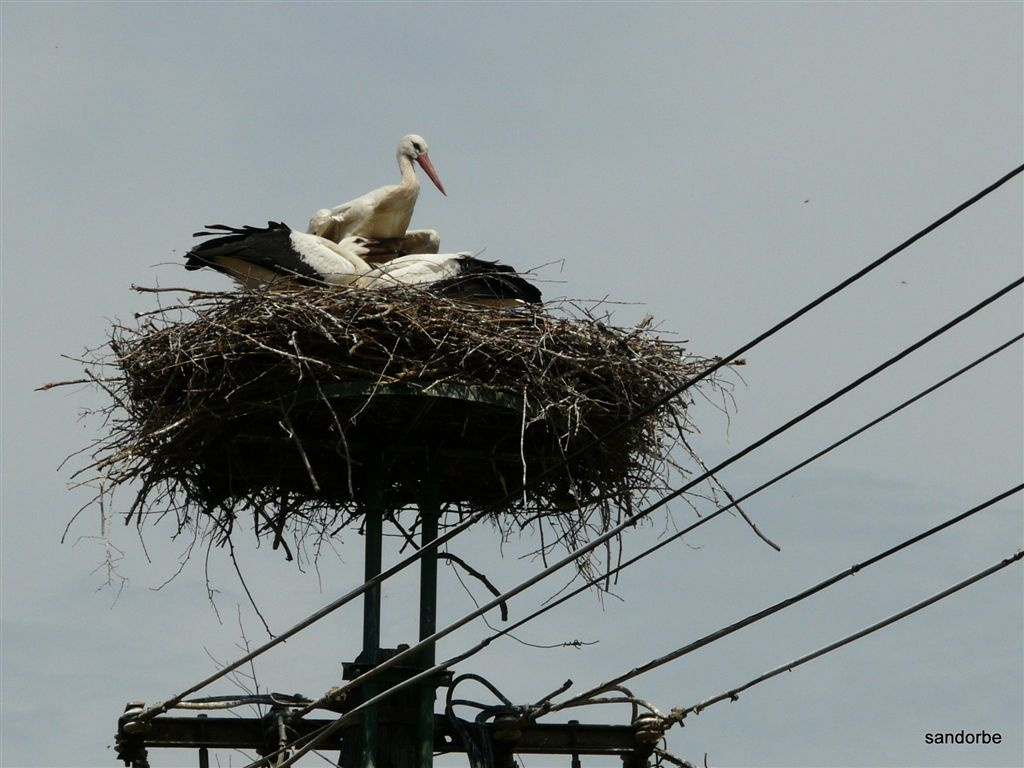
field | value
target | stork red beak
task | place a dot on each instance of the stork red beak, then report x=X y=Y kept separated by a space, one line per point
x=428 y=168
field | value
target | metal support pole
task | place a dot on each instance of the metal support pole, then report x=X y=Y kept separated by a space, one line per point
x=430 y=512
x=374 y=516
x=204 y=753
x=371 y=599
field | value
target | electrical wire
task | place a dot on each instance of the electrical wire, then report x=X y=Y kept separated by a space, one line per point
x=230 y=702
x=782 y=604
x=163 y=706
x=677 y=715
x=474 y=739
x=632 y=520
x=313 y=738
x=723 y=361
x=688 y=529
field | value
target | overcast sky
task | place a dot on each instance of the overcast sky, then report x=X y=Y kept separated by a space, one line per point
x=715 y=165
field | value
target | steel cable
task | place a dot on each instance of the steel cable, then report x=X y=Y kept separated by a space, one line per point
x=677 y=715
x=782 y=604
x=777 y=478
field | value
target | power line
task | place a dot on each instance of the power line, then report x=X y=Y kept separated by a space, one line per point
x=313 y=738
x=671 y=395
x=839 y=393
x=679 y=534
x=789 y=601
x=411 y=651
x=161 y=707
x=677 y=715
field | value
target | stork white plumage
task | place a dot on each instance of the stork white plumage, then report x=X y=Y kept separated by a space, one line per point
x=385 y=212
x=257 y=256
x=455 y=275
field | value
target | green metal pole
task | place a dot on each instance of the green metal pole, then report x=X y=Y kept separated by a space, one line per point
x=374 y=516
x=371 y=599
x=430 y=513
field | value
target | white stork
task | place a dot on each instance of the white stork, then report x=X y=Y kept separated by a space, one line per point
x=455 y=275
x=255 y=256
x=385 y=212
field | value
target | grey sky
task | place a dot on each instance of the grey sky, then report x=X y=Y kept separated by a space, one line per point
x=716 y=165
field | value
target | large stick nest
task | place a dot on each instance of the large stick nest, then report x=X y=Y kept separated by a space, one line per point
x=303 y=408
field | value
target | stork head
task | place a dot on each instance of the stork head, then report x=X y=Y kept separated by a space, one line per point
x=320 y=221
x=414 y=147
x=355 y=245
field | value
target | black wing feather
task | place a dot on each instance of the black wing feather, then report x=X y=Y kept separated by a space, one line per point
x=269 y=247
x=481 y=280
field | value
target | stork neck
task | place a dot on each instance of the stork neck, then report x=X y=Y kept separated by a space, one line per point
x=405 y=165
x=359 y=265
